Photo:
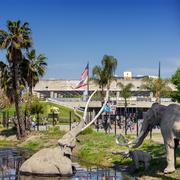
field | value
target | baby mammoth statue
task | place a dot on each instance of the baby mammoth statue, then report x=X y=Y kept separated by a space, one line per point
x=137 y=156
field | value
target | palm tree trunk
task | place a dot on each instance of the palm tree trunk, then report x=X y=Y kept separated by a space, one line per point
x=18 y=126
x=20 y=123
x=29 y=108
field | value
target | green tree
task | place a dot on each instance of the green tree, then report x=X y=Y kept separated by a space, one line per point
x=159 y=87
x=35 y=67
x=103 y=75
x=125 y=93
x=175 y=79
x=37 y=109
x=15 y=40
x=4 y=101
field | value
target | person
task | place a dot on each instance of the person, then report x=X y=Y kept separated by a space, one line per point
x=129 y=124
x=109 y=123
x=107 y=108
x=105 y=114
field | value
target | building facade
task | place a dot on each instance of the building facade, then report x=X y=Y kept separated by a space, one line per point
x=64 y=91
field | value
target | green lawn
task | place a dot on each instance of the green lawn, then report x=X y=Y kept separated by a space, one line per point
x=64 y=112
x=96 y=148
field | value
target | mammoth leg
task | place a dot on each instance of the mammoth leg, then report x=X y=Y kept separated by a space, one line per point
x=176 y=143
x=170 y=156
x=146 y=165
x=135 y=160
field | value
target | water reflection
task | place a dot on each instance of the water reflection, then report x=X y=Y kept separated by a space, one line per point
x=11 y=160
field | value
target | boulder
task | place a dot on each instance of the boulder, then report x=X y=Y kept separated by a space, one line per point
x=49 y=161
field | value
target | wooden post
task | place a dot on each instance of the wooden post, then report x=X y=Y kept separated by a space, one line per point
x=7 y=120
x=125 y=115
x=137 y=125
x=4 y=119
x=53 y=118
x=115 y=126
x=70 y=116
x=38 y=121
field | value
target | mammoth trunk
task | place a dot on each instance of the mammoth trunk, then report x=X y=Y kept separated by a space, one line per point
x=139 y=140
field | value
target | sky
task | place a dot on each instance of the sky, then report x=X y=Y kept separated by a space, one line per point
x=139 y=33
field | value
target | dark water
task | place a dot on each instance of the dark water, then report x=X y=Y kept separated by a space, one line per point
x=11 y=160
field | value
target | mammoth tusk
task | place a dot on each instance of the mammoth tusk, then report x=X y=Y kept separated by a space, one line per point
x=137 y=139
x=87 y=104
x=78 y=115
x=126 y=142
x=98 y=114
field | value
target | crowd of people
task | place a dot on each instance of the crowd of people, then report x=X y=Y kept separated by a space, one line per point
x=129 y=122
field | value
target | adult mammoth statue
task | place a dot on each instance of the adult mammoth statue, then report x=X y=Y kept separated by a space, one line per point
x=168 y=118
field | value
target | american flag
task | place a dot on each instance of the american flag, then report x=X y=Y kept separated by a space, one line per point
x=84 y=78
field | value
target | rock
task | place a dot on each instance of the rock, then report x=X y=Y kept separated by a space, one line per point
x=49 y=161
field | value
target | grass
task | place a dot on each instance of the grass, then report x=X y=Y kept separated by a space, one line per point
x=64 y=114
x=5 y=143
x=44 y=139
x=34 y=145
x=96 y=148
x=64 y=111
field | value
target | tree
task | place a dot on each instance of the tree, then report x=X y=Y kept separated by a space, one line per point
x=16 y=40
x=37 y=108
x=159 y=87
x=35 y=68
x=175 y=79
x=4 y=101
x=125 y=93
x=103 y=75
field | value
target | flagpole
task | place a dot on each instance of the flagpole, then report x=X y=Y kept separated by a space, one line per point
x=88 y=83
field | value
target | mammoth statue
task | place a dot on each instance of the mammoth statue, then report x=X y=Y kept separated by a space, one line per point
x=168 y=118
x=57 y=161
x=137 y=156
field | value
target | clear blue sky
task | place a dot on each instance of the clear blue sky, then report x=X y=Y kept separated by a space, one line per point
x=139 y=33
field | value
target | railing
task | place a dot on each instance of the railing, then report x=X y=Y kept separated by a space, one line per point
x=133 y=99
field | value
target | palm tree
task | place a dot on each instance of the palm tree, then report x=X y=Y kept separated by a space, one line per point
x=16 y=40
x=35 y=68
x=37 y=108
x=6 y=82
x=4 y=101
x=125 y=93
x=104 y=75
x=159 y=87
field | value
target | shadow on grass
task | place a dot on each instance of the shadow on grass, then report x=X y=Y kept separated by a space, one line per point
x=8 y=132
